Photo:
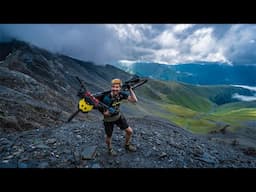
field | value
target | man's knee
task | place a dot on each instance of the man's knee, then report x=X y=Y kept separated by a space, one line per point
x=108 y=139
x=129 y=131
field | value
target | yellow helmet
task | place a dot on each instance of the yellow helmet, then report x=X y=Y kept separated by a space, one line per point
x=117 y=81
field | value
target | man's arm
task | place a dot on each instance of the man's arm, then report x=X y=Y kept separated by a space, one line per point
x=132 y=97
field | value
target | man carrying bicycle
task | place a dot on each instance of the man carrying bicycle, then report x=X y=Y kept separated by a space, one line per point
x=113 y=115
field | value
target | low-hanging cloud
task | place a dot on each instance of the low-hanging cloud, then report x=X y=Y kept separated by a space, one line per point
x=244 y=97
x=89 y=42
x=251 y=88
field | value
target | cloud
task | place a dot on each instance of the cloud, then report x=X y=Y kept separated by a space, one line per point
x=201 y=41
x=171 y=44
x=181 y=27
x=131 y=33
x=165 y=43
x=93 y=42
x=166 y=40
x=243 y=97
x=238 y=44
x=252 y=88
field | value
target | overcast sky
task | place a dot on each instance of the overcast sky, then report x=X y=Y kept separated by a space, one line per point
x=163 y=43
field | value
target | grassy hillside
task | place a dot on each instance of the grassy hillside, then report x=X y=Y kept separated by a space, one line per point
x=220 y=94
x=176 y=93
x=192 y=107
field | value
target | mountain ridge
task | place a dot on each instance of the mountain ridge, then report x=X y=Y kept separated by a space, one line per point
x=202 y=73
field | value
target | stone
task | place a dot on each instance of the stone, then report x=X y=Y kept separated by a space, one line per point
x=22 y=165
x=51 y=141
x=7 y=164
x=89 y=152
x=76 y=131
x=163 y=154
x=24 y=159
x=207 y=158
x=170 y=160
x=8 y=157
x=2 y=149
x=148 y=153
x=42 y=146
x=158 y=142
x=43 y=165
x=76 y=156
x=96 y=166
x=79 y=136
x=4 y=141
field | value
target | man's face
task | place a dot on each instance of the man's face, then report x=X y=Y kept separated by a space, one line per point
x=115 y=89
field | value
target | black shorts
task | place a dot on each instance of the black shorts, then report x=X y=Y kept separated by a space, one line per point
x=121 y=122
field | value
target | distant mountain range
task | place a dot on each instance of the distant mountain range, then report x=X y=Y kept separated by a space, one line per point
x=202 y=73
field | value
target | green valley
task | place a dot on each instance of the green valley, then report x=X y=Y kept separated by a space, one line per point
x=196 y=108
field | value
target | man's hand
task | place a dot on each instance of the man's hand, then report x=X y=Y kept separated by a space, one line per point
x=109 y=111
x=129 y=87
x=106 y=113
x=132 y=98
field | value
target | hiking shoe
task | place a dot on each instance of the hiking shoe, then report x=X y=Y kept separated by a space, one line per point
x=130 y=147
x=112 y=152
